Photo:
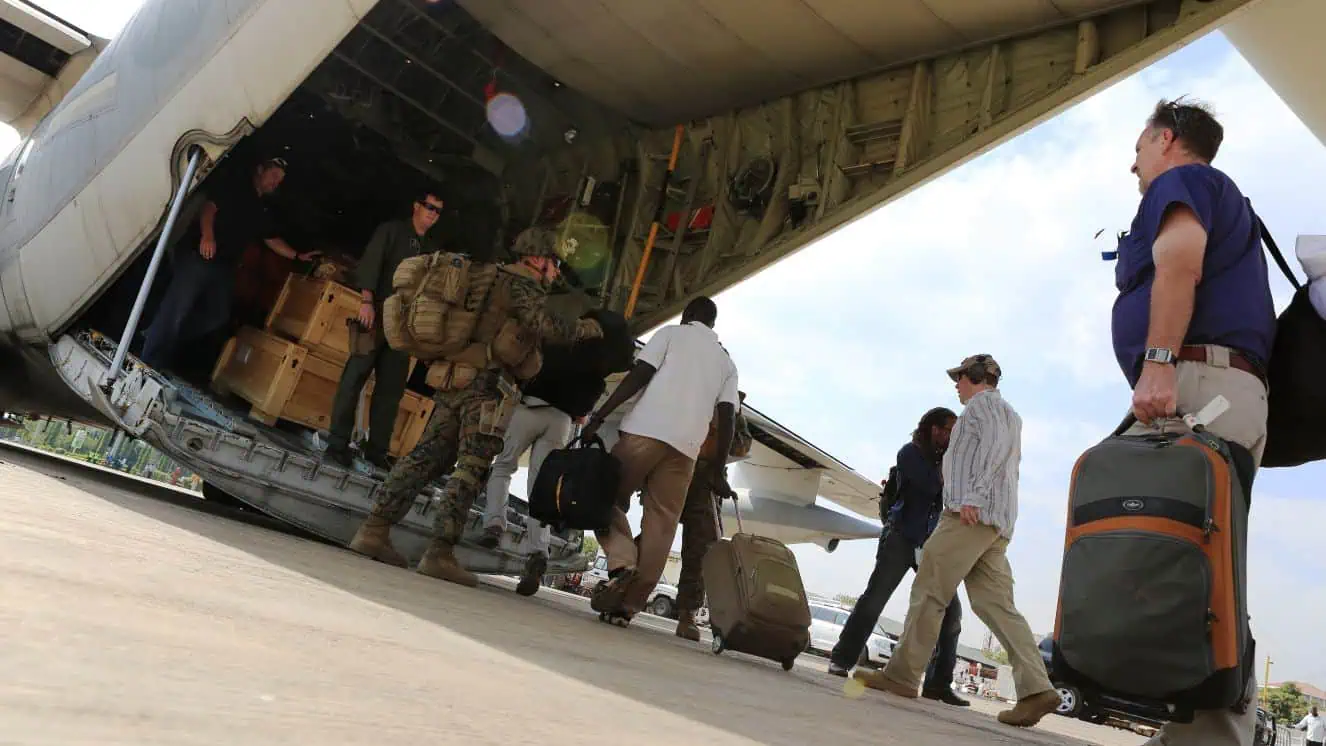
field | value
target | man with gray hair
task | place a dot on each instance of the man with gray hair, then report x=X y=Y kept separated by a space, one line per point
x=1194 y=319
x=968 y=545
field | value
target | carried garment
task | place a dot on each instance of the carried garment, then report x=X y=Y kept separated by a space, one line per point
x=1153 y=593
x=1296 y=399
x=757 y=601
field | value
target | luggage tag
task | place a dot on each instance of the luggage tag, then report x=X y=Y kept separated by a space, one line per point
x=1208 y=414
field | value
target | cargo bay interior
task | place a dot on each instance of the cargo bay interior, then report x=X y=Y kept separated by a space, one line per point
x=417 y=96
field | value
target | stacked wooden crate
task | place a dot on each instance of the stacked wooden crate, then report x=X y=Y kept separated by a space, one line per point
x=290 y=370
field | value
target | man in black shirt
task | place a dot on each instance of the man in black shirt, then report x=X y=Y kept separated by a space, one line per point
x=392 y=243
x=202 y=286
x=909 y=523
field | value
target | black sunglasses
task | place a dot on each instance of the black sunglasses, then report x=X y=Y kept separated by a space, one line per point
x=435 y=209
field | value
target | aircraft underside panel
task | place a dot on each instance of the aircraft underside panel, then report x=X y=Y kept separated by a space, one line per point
x=1282 y=40
x=761 y=182
x=278 y=478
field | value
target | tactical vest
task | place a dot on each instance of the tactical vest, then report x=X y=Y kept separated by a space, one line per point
x=495 y=336
x=434 y=310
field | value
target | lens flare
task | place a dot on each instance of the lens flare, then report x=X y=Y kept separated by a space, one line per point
x=506 y=115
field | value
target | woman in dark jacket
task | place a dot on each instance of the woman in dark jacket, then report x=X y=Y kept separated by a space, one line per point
x=909 y=524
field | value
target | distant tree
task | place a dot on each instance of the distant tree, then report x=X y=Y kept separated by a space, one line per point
x=590 y=547
x=845 y=600
x=1287 y=703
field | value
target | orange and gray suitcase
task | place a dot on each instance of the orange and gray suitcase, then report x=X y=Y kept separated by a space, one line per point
x=1152 y=599
x=757 y=602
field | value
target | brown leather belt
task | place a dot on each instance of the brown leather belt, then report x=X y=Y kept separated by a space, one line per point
x=1198 y=354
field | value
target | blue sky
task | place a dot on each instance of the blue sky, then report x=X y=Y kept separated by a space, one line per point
x=998 y=257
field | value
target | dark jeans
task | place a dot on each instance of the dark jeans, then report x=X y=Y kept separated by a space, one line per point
x=893 y=559
x=390 y=369
x=197 y=302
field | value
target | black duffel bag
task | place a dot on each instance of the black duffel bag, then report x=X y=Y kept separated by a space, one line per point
x=576 y=487
x=1296 y=398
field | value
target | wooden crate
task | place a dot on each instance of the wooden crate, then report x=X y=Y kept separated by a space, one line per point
x=310 y=404
x=280 y=378
x=411 y=419
x=313 y=313
x=261 y=368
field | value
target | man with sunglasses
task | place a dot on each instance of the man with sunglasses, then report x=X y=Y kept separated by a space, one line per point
x=1194 y=318
x=392 y=243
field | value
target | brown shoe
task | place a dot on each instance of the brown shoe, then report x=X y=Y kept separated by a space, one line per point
x=439 y=561
x=877 y=680
x=1029 y=711
x=373 y=539
x=686 y=628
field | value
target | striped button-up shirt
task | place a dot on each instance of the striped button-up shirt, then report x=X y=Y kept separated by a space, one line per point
x=981 y=463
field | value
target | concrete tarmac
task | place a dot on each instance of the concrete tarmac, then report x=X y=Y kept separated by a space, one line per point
x=137 y=614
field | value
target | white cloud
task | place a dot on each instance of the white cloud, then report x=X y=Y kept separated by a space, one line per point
x=999 y=257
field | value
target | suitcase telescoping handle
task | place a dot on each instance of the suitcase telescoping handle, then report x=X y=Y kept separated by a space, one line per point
x=718 y=511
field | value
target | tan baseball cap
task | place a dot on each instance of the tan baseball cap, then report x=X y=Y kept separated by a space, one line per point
x=979 y=366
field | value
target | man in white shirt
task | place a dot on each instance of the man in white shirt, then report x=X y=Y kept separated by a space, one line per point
x=686 y=377
x=1315 y=727
x=968 y=545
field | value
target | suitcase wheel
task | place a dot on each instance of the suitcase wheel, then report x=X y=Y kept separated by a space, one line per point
x=621 y=620
x=718 y=646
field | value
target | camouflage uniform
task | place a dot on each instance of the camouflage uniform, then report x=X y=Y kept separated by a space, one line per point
x=465 y=432
x=699 y=531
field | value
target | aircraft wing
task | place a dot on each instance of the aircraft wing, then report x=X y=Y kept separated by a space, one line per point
x=781 y=466
x=41 y=57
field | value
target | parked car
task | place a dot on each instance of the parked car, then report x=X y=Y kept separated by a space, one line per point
x=826 y=624
x=878 y=650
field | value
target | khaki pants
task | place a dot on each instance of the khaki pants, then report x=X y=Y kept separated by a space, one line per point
x=1243 y=423
x=664 y=473
x=955 y=554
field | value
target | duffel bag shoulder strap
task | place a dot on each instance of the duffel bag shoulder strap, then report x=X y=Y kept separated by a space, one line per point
x=1274 y=249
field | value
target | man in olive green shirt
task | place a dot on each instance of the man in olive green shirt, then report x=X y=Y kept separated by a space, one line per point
x=392 y=243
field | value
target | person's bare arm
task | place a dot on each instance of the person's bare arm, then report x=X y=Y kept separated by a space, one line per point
x=1178 y=251
x=284 y=249
x=207 y=222
x=635 y=381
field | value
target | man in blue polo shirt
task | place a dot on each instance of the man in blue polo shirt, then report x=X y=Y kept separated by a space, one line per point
x=1194 y=317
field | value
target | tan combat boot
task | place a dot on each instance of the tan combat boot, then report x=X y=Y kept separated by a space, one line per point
x=440 y=562
x=686 y=628
x=373 y=539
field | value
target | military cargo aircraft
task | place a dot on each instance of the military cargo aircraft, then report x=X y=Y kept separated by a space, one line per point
x=678 y=146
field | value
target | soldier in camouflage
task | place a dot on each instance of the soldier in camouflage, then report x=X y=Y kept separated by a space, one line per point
x=468 y=424
x=700 y=530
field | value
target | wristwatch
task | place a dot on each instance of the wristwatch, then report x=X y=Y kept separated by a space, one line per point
x=1160 y=355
